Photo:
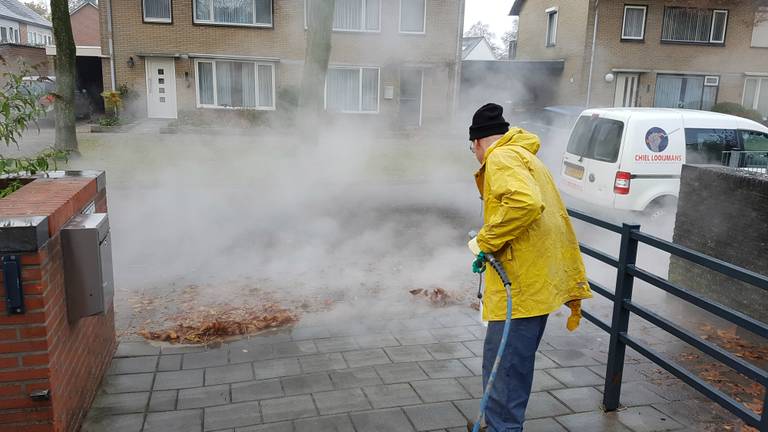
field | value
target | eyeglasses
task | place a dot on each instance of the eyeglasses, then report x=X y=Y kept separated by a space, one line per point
x=471 y=146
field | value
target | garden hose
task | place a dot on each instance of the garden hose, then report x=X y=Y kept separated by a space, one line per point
x=496 y=265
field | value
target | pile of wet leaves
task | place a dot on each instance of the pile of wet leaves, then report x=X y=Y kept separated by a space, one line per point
x=189 y=316
x=209 y=324
x=743 y=390
x=436 y=296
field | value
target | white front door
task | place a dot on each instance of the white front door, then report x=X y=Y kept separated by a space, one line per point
x=627 y=85
x=161 y=88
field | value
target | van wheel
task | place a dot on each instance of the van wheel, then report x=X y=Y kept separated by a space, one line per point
x=661 y=207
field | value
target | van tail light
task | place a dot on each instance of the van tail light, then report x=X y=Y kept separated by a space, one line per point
x=621 y=185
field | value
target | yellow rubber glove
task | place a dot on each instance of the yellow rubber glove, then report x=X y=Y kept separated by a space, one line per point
x=573 y=320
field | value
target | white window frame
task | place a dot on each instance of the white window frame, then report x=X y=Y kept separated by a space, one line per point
x=400 y=20
x=549 y=12
x=360 y=92
x=758 y=90
x=158 y=20
x=624 y=22
x=215 y=94
x=225 y=24
x=378 y=24
x=712 y=26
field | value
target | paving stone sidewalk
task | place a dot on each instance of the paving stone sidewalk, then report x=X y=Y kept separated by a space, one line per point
x=410 y=374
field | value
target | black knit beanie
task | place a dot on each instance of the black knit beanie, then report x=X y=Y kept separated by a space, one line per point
x=488 y=121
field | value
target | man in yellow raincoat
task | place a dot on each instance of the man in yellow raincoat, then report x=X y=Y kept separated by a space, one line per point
x=526 y=227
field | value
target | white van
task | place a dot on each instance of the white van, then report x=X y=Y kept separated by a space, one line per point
x=629 y=158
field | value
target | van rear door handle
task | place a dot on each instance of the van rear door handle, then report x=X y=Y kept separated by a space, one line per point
x=591 y=178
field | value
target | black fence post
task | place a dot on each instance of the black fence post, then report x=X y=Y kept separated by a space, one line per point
x=620 y=320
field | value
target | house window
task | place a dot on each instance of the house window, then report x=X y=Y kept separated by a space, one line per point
x=16 y=35
x=760 y=28
x=352 y=90
x=3 y=34
x=551 y=27
x=694 y=25
x=355 y=15
x=634 y=22
x=257 y=13
x=157 y=11
x=235 y=84
x=413 y=16
x=756 y=95
x=685 y=91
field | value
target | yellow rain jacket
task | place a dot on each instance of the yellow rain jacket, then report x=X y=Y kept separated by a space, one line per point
x=527 y=228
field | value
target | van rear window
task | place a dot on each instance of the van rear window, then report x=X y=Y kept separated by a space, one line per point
x=596 y=138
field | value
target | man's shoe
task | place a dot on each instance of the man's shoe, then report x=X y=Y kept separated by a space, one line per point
x=471 y=425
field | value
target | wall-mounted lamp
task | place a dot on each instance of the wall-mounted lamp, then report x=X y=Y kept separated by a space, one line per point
x=186 y=79
x=609 y=77
x=131 y=63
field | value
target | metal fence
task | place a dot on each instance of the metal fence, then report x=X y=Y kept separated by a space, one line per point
x=623 y=307
x=755 y=161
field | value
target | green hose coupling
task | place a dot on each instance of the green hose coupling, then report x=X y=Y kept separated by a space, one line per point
x=478 y=265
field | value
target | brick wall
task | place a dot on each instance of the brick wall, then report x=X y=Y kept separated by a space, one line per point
x=85 y=26
x=39 y=349
x=32 y=56
x=436 y=51
x=734 y=205
x=650 y=56
x=572 y=39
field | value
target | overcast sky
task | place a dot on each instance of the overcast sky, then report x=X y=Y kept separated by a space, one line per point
x=492 y=12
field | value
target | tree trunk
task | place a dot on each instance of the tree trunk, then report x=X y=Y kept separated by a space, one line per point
x=312 y=98
x=66 y=138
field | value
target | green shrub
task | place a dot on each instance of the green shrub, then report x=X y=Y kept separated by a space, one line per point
x=109 y=121
x=733 y=108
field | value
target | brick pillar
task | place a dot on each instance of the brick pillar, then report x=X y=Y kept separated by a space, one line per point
x=40 y=349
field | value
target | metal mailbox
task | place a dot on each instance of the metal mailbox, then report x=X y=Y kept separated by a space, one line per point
x=86 y=246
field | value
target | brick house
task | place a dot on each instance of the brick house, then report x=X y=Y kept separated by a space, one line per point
x=651 y=52
x=23 y=34
x=85 y=24
x=397 y=60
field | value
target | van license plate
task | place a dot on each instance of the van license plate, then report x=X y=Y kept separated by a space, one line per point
x=574 y=171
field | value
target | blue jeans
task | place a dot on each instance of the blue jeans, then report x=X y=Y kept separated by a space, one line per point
x=512 y=388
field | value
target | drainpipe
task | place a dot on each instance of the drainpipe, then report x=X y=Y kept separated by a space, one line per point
x=110 y=45
x=457 y=70
x=592 y=57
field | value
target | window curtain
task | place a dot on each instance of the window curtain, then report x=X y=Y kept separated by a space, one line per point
x=263 y=11
x=762 y=101
x=205 y=82
x=551 y=28
x=348 y=15
x=265 y=85
x=372 y=15
x=633 y=22
x=750 y=91
x=3 y=34
x=687 y=24
x=412 y=16
x=233 y=11
x=157 y=9
x=370 y=90
x=224 y=83
x=668 y=89
x=692 y=97
x=248 y=85
x=203 y=10
x=343 y=90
